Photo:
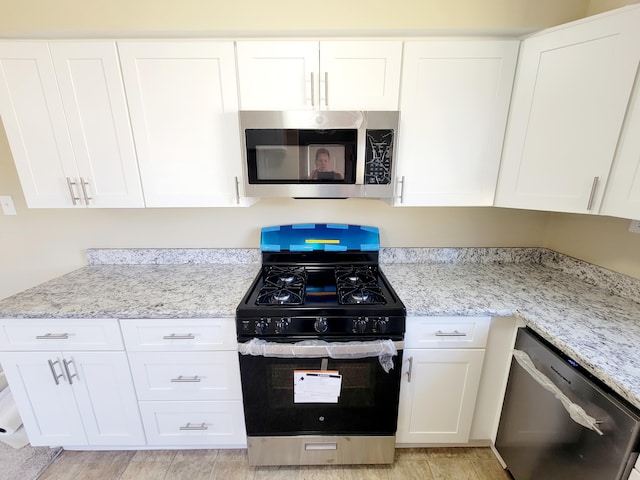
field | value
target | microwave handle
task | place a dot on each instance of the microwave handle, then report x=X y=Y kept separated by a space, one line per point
x=313 y=89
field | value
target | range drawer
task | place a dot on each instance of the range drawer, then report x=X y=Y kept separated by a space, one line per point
x=186 y=375
x=447 y=332
x=41 y=334
x=194 y=423
x=179 y=334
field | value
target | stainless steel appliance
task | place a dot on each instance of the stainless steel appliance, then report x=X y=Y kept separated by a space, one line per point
x=283 y=153
x=320 y=336
x=560 y=423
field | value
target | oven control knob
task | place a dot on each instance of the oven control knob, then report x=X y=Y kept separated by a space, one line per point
x=383 y=325
x=361 y=325
x=321 y=325
x=282 y=325
x=261 y=327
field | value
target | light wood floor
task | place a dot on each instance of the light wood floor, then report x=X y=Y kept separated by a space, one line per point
x=415 y=463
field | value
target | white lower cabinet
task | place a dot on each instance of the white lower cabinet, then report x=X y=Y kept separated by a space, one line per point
x=442 y=366
x=187 y=378
x=74 y=398
x=194 y=423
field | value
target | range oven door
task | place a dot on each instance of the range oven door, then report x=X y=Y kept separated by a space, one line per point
x=367 y=404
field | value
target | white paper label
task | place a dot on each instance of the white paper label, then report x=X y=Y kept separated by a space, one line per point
x=316 y=386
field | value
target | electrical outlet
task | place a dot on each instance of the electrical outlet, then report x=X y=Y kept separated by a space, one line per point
x=634 y=227
x=8 y=207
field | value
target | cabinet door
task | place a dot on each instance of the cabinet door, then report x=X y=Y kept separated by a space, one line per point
x=36 y=127
x=569 y=102
x=437 y=395
x=90 y=82
x=48 y=409
x=105 y=397
x=186 y=375
x=454 y=105
x=278 y=75
x=622 y=196
x=183 y=104
x=360 y=75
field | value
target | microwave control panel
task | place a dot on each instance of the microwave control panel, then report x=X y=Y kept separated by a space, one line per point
x=378 y=155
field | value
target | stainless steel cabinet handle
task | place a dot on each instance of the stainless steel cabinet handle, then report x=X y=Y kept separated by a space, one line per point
x=70 y=184
x=179 y=336
x=83 y=184
x=53 y=371
x=593 y=192
x=189 y=426
x=410 y=360
x=53 y=336
x=66 y=363
x=455 y=333
x=313 y=89
x=401 y=181
x=237 y=191
x=326 y=89
x=181 y=379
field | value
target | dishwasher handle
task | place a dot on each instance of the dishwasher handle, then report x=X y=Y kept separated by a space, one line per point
x=576 y=412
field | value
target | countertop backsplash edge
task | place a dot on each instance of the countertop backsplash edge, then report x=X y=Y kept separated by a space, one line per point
x=613 y=282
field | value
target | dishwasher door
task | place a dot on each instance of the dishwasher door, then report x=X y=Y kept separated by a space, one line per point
x=538 y=439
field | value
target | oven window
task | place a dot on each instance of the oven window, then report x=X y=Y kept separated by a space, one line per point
x=301 y=156
x=367 y=405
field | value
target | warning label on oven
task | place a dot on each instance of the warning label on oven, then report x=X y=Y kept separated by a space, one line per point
x=316 y=386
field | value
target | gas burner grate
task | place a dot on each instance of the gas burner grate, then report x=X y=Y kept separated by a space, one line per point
x=280 y=296
x=285 y=277
x=282 y=285
x=358 y=285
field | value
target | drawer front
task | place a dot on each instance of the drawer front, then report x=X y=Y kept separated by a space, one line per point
x=179 y=334
x=194 y=423
x=447 y=332
x=60 y=334
x=186 y=375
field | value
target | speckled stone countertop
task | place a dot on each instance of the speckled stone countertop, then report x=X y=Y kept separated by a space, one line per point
x=588 y=312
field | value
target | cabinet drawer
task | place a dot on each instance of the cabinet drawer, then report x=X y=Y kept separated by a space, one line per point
x=447 y=332
x=186 y=375
x=179 y=334
x=194 y=423
x=56 y=334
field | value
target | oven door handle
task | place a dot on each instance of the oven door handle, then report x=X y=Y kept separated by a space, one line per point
x=385 y=350
x=321 y=349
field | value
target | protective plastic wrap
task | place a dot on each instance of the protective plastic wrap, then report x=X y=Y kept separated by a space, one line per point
x=576 y=412
x=385 y=350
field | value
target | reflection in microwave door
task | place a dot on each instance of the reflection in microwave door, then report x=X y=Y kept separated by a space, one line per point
x=335 y=168
x=275 y=162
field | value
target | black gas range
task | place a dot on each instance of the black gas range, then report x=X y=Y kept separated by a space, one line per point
x=320 y=294
x=320 y=344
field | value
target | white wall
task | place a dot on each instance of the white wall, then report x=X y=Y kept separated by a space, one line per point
x=37 y=244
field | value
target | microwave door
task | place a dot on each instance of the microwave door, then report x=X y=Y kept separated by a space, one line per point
x=277 y=162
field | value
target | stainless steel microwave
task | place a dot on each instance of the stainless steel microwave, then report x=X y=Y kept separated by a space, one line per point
x=319 y=154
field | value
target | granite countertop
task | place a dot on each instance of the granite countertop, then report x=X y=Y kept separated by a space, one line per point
x=588 y=312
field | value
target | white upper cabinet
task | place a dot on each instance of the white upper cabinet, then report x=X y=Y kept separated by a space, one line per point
x=453 y=112
x=64 y=110
x=570 y=98
x=622 y=196
x=183 y=104
x=326 y=75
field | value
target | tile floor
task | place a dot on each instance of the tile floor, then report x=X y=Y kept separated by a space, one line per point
x=459 y=463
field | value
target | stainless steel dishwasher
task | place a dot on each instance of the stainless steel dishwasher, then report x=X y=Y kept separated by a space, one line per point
x=558 y=422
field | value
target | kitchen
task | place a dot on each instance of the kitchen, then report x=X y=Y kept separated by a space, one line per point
x=35 y=233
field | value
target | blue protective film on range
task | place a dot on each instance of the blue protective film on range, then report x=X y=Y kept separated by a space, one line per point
x=332 y=237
